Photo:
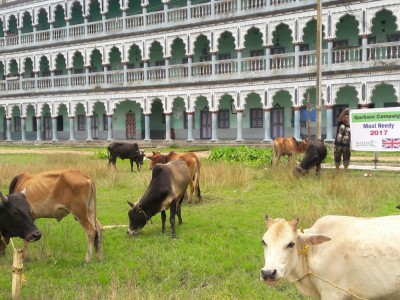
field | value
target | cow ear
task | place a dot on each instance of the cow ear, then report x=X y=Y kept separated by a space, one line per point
x=24 y=191
x=131 y=204
x=269 y=221
x=313 y=238
x=294 y=223
x=3 y=198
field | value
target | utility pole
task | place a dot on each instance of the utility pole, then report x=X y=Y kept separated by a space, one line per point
x=318 y=102
x=308 y=118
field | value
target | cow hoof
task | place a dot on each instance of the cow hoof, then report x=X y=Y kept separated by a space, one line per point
x=174 y=236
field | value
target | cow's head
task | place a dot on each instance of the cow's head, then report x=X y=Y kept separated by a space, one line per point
x=283 y=244
x=137 y=218
x=156 y=158
x=16 y=218
x=299 y=171
x=140 y=157
x=303 y=145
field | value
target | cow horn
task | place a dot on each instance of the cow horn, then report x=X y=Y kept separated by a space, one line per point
x=3 y=198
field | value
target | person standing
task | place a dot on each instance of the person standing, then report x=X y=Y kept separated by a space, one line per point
x=342 y=140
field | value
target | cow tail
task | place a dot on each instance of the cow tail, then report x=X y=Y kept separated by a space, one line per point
x=92 y=207
x=13 y=185
x=198 y=180
x=274 y=153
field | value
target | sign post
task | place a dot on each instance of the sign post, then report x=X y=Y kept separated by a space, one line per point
x=376 y=129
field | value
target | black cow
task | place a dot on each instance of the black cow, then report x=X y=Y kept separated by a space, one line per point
x=16 y=220
x=166 y=190
x=315 y=154
x=123 y=151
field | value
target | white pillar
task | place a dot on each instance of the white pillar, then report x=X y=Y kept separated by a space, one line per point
x=364 y=42
x=110 y=133
x=8 y=133
x=23 y=129
x=329 y=124
x=239 y=61
x=89 y=128
x=147 y=127
x=329 y=52
x=190 y=127
x=54 y=128
x=168 y=127
x=189 y=65
x=239 y=118
x=296 y=56
x=214 y=118
x=267 y=125
x=297 y=123
x=38 y=129
x=71 y=128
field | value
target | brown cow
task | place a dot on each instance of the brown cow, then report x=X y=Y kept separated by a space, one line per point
x=55 y=194
x=193 y=163
x=287 y=146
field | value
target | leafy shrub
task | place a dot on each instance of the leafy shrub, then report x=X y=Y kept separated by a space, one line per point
x=244 y=154
x=103 y=154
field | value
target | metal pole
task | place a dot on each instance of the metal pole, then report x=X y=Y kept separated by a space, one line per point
x=308 y=118
x=318 y=104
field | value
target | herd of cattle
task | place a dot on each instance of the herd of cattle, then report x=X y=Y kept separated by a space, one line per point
x=337 y=258
x=55 y=194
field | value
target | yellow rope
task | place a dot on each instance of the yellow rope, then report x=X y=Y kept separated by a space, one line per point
x=12 y=243
x=304 y=252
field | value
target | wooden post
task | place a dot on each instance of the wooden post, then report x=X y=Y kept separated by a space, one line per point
x=308 y=118
x=18 y=268
x=318 y=104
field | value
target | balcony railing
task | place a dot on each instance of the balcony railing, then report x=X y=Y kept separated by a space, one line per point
x=350 y=58
x=169 y=18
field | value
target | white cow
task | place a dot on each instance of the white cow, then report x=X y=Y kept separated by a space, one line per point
x=339 y=257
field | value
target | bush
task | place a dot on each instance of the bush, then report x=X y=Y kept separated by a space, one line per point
x=102 y=154
x=244 y=154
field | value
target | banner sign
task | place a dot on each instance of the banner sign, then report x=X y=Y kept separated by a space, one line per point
x=375 y=129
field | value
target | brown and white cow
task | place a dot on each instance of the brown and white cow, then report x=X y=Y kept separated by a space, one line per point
x=166 y=190
x=193 y=163
x=287 y=147
x=339 y=257
x=55 y=194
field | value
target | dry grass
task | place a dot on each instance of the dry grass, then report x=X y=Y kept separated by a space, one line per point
x=218 y=253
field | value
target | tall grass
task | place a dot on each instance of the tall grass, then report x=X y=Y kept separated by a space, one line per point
x=218 y=252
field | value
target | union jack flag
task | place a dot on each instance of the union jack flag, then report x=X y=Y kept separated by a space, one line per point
x=391 y=143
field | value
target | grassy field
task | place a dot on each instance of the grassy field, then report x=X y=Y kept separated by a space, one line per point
x=218 y=253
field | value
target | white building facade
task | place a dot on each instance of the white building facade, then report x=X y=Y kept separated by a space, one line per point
x=190 y=70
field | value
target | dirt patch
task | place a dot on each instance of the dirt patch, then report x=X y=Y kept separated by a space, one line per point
x=46 y=151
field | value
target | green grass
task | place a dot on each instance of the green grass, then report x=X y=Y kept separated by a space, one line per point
x=218 y=253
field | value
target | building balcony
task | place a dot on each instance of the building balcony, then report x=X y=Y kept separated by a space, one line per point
x=150 y=21
x=302 y=63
